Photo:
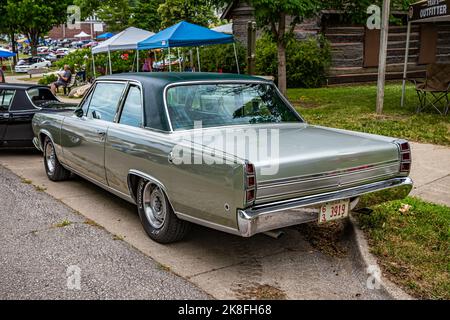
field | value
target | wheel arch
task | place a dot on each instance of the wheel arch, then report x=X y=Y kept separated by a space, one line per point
x=133 y=179
x=42 y=135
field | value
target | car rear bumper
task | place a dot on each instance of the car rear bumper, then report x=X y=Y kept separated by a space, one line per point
x=271 y=216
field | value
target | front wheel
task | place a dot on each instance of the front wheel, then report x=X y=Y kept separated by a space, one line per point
x=55 y=171
x=157 y=216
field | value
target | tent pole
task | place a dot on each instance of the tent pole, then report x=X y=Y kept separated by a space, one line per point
x=236 y=57
x=383 y=53
x=405 y=67
x=110 y=65
x=179 y=60
x=93 y=64
x=198 y=60
x=137 y=60
x=170 y=62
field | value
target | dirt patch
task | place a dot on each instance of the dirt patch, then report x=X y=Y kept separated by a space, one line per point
x=257 y=291
x=326 y=238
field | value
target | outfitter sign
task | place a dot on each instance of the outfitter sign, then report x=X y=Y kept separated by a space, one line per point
x=429 y=9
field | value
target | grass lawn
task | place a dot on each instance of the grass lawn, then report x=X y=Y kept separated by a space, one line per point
x=353 y=108
x=413 y=245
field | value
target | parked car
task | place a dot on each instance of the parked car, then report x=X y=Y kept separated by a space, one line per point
x=125 y=135
x=25 y=65
x=62 y=52
x=18 y=104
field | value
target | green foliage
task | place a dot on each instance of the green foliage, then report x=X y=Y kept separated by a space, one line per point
x=221 y=57
x=145 y=15
x=411 y=239
x=46 y=80
x=307 y=61
x=34 y=18
x=195 y=11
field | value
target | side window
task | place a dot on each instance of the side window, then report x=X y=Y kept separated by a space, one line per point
x=104 y=101
x=132 y=108
x=86 y=102
x=6 y=97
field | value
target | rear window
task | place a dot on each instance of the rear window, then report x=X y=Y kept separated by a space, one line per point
x=227 y=104
x=40 y=95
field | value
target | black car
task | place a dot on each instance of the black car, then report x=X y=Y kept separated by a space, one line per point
x=18 y=104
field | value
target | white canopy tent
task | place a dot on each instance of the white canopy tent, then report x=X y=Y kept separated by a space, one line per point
x=423 y=12
x=225 y=28
x=82 y=34
x=125 y=40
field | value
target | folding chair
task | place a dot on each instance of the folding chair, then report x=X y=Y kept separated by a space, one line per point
x=433 y=92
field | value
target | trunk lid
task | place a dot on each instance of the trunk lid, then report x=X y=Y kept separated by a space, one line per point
x=309 y=159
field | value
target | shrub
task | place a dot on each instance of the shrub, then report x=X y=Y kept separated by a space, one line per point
x=221 y=58
x=307 y=61
x=46 y=80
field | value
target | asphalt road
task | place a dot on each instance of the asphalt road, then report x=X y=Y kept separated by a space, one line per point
x=45 y=246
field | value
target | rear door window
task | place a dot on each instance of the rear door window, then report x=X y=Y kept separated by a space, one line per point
x=132 y=108
x=104 y=101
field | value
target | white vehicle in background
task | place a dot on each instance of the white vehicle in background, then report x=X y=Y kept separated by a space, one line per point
x=28 y=64
x=62 y=52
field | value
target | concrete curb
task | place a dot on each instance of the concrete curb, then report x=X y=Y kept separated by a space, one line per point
x=369 y=260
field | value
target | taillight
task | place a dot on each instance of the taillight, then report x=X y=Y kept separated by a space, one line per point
x=250 y=183
x=405 y=156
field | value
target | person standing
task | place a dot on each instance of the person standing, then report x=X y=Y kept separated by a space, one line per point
x=2 y=76
x=148 y=63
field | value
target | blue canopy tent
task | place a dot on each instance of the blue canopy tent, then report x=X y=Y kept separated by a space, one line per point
x=106 y=35
x=185 y=34
x=7 y=54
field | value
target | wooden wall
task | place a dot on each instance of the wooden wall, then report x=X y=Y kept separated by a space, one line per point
x=347 y=42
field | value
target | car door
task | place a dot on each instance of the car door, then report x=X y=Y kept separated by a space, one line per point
x=83 y=135
x=6 y=97
x=21 y=111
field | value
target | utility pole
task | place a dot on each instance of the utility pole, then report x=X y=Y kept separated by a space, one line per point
x=251 y=47
x=383 y=54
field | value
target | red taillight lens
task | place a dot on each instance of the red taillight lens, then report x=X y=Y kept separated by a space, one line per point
x=405 y=156
x=250 y=195
x=405 y=167
x=404 y=146
x=250 y=182
x=249 y=168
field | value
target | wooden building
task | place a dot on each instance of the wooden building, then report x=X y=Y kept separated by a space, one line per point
x=355 y=48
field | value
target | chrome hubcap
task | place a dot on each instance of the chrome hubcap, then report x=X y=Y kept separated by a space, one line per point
x=50 y=157
x=155 y=207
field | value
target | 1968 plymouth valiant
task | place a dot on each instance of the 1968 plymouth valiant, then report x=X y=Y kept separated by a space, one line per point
x=139 y=137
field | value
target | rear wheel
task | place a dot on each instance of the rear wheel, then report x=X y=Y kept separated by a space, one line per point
x=55 y=171
x=157 y=216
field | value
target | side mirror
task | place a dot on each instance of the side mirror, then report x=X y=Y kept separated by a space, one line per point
x=79 y=112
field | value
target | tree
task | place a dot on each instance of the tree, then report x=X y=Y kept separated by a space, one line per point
x=34 y=18
x=145 y=15
x=120 y=14
x=8 y=25
x=272 y=16
x=195 y=11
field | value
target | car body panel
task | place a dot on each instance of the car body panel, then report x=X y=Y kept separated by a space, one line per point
x=314 y=162
x=15 y=124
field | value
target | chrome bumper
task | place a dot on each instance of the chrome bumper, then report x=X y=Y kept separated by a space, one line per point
x=291 y=212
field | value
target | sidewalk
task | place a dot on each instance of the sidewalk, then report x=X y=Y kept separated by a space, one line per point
x=431 y=172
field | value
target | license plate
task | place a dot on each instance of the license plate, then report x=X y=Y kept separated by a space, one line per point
x=334 y=211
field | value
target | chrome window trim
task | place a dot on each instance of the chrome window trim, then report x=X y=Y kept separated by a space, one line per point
x=119 y=103
x=122 y=104
x=196 y=82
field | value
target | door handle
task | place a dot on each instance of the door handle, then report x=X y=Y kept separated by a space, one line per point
x=4 y=115
x=101 y=133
